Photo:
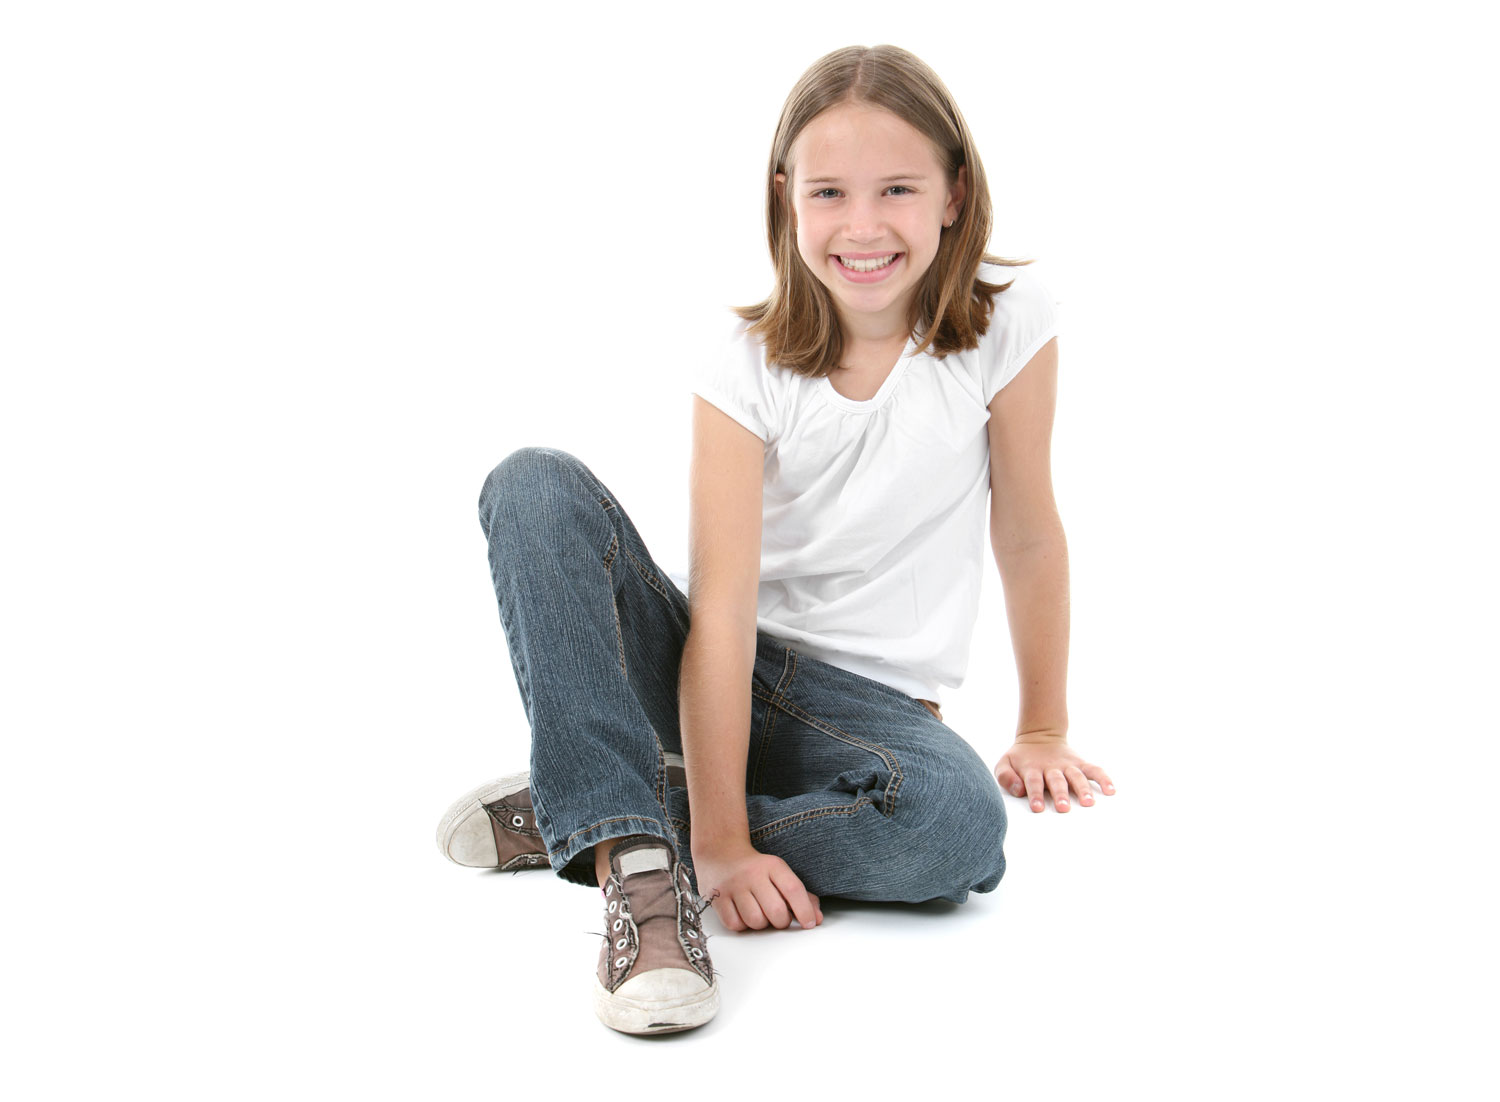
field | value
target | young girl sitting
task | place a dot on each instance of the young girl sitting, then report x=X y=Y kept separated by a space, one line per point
x=846 y=439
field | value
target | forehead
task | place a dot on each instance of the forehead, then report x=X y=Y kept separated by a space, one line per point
x=858 y=140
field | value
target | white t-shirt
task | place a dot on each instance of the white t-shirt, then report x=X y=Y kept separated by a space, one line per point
x=875 y=513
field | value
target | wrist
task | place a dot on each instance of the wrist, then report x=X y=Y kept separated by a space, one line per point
x=720 y=839
x=1041 y=735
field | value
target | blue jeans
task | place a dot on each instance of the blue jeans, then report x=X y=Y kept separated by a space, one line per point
x=857 y=786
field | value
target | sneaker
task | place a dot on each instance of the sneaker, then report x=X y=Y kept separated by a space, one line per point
x=494 y=827
x=654 y=973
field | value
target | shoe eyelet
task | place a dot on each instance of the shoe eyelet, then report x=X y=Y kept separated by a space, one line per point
x=621 y=963
x=697 y=953
x=517 y=821
x=693 y=934
x=618 y=923
x=613 y=903
x=622 y=943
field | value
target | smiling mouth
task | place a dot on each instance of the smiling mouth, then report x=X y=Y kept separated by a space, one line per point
x=872 y=265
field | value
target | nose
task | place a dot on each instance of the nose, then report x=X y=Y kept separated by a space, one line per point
x=866 y=223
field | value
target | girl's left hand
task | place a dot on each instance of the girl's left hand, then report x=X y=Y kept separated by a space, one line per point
x=1035 y=759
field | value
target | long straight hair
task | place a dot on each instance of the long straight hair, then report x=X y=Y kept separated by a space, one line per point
x=798 y=323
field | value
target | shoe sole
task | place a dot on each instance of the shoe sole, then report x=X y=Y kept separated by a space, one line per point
x=629 y=1016
x=473 y=803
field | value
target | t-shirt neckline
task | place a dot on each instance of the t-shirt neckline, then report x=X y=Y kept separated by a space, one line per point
x=882 y=395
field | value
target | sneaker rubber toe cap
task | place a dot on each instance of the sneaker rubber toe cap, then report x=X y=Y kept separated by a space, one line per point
x=663 y=1000
x=472 y=841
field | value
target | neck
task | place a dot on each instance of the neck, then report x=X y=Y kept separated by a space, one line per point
x=874 y=331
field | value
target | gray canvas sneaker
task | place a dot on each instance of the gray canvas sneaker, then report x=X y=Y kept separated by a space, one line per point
x=654 y=972
x=494 y=827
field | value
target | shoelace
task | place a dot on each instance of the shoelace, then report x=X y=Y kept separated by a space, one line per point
x=622 y=916
x=692 y=918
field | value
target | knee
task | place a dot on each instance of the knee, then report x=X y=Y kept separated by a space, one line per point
x=985 y=862
x=521 y=475
x=961 y=818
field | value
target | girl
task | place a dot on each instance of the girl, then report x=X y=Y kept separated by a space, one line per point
x=844 y=440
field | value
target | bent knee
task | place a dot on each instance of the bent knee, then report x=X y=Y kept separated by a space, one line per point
x=524 y=470
x=964 y=822
x=966 y=802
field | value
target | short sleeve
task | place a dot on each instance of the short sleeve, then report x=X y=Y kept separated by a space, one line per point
x=734 y=378
x=1025 y=318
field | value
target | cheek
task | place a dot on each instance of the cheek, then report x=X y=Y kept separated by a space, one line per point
x=927 y=235
x=809 y=243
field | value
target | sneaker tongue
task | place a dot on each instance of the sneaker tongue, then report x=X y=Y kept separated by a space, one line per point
x=645 y=859
x=645 y=872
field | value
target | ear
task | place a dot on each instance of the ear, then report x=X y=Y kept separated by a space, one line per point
x=958 y=192
x=780 y=184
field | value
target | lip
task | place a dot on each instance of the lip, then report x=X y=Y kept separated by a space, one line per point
x=877 y=276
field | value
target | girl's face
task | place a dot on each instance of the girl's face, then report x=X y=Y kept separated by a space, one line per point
x=869 y=201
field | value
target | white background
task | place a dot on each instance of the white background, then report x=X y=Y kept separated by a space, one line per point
x=283 y=281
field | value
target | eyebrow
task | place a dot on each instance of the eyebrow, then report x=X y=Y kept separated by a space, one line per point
x=883 y=179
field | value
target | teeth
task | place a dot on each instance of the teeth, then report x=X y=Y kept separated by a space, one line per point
x=867 y=265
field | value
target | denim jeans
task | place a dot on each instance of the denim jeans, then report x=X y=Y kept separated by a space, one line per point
x=858 y=787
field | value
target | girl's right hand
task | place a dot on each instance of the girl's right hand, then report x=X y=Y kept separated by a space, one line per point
x=752 y=890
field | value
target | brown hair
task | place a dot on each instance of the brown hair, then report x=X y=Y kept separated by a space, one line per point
x=951 y=308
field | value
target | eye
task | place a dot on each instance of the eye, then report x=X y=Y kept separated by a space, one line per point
x=902 y=188
x=824 y=191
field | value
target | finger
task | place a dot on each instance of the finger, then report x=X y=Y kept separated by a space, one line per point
x=1080 y=785
x=1057 y=784
x=773 y=906
x=818 y=905
x=796 y=895
x=1094 y=773
x=727 y=914
x=1034 y=790
x=750 y=911
x=1009 y=779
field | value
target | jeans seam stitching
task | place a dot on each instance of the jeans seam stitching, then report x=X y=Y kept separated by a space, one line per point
x=614 y=606
x=594 y=826
x=661 y=780
x=660 y=789
x=778 y=825
x=788 y=675
x=647 y=576
x=768 y=728
x=889 y=802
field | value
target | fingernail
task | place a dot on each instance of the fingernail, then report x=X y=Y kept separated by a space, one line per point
x=1061 y=804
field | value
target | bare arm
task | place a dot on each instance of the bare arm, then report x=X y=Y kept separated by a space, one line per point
x=717 y=662
x=1026 y=535
x=1031 y=551
x=754 y=890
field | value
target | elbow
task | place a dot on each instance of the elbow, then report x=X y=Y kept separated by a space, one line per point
x=1040 y=535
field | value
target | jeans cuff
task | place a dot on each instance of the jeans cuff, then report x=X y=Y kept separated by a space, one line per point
x=576 y=860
